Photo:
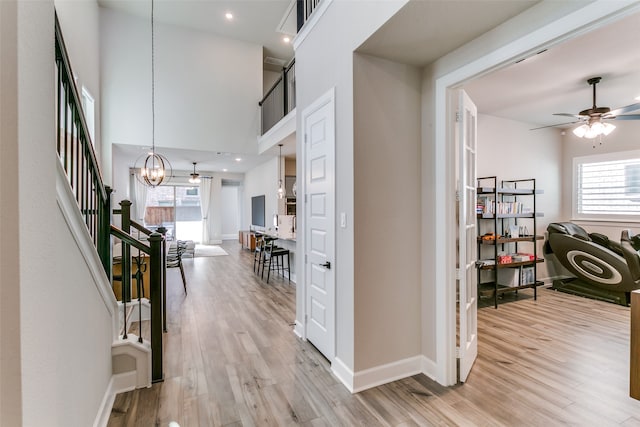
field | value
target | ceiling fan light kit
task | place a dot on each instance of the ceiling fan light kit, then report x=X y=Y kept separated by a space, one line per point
x=594 y=121
x=195 y=177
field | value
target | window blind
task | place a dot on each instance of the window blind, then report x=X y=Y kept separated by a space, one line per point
x=609 y=187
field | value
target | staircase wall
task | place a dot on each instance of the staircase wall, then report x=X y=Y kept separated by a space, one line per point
x=56 y=328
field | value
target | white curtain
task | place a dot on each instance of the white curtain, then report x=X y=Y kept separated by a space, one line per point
x=205 y=204
x=139 y=200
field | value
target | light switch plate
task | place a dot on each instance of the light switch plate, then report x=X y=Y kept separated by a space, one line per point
x=343 y=220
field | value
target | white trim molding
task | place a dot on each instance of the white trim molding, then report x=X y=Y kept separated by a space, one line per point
x=383 y=374
x=69 y=209
x=587 y=18
x=285 y=127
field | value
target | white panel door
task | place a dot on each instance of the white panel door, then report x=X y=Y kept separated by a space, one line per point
x=319 y=145
x=468 y=287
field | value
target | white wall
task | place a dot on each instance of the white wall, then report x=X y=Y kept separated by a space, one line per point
x=10 y=334
x=626 y=137
x=231 y=205
x=80 y=22
x=258 y=181
x=268 y=79
x=386 y=217
x=324 y=59
x=509 y=150
x=56 y=334
x=206 y=87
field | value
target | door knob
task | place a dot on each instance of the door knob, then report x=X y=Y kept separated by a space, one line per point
x=326 y=265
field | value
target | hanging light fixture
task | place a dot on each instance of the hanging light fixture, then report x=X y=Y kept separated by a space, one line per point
x=155 y=168
x=280 y=187
x=594 y=128
x=195 y=177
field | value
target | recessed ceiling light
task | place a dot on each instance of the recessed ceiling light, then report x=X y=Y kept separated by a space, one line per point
x=229 y=16
x=224 y=170
x=238 y=159
x=638 y=98
x=286 y=39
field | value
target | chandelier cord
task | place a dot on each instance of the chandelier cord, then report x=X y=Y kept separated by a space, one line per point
x=153 y=87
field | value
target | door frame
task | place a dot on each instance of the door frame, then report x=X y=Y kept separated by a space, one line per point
x=300 y=327
x=585 y=19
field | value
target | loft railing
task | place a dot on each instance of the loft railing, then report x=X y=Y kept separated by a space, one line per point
x=280 y=100
x=77 y=156
x=305 y=8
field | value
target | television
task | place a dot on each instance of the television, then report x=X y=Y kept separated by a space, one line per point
x=257 y=211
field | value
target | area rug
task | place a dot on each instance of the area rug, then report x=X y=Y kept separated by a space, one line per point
x=209 y=250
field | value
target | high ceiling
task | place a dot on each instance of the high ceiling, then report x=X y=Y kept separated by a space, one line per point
x=555 y=81
x=255 y=21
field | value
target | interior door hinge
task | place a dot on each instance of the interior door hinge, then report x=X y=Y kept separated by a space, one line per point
x=306 y=139
x=305 y=198
x=457 y=116
x=305 y=258
x=458 y=274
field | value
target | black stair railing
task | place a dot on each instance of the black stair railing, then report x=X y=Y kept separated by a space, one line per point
x=156 y=251
x=77 y=156
x=280 y=100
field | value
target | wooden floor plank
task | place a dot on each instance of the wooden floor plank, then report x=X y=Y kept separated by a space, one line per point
x=232 y=359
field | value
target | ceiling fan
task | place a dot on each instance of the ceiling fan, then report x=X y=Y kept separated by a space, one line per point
x=595 y=119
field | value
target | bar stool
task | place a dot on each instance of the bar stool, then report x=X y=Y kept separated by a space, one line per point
x=274 y=253
x=257 y=254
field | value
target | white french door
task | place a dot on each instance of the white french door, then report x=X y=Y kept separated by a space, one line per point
x=466 y=132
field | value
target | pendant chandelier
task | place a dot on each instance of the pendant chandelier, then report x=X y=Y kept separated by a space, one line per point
x=155 y=168
x=195 y=177
x=280 y=187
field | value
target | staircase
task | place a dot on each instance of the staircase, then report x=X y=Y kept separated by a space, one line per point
x=86 y=205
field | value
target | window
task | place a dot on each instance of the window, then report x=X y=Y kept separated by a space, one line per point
x=607 y=186
x=88 y=106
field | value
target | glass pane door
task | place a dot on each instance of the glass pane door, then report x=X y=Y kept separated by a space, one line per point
x=177 y=208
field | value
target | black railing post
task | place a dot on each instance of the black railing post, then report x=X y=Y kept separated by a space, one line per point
x=155 y=277
x=285 y=92
x=163 y=231
x=125 y=207
x=104 y=235
x=300 y=13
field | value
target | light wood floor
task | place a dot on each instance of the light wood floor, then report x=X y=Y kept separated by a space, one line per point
x=232 y=359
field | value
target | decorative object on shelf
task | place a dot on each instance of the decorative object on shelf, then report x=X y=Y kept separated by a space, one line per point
x=155 y=168
x=195 y=177
x=280 y=186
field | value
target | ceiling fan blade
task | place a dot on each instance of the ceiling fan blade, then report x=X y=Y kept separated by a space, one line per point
x=625 y=117
x=622 y=110
x=569 y=115
x=559 y=124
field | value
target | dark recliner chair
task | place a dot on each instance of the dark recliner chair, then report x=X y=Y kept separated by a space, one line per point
x=603 y=269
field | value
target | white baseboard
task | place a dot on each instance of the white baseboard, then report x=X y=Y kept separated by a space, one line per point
x=119 y=383
x=343 y=373
x=429 y=368
x=383 y=374
x=298 y=329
